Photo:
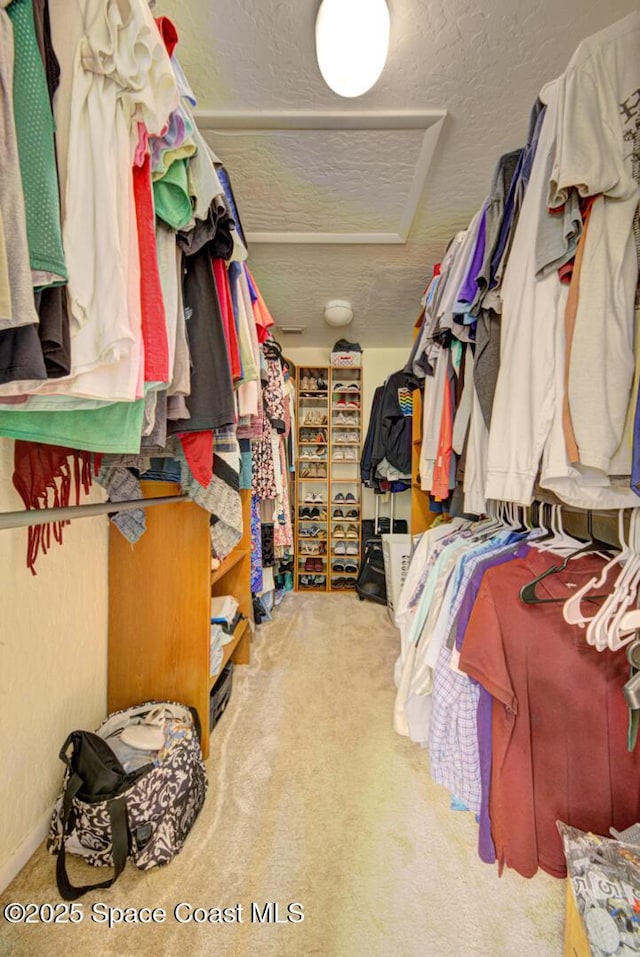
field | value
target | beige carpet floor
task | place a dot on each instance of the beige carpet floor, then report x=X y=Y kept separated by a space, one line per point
x=314 y=800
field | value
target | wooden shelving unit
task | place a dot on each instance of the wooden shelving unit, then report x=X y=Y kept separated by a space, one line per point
x=160 y=606
x=336 y=449
x=345 y=531
x=312 y=479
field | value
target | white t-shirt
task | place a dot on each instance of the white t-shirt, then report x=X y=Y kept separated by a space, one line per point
x=524 y=403
x=598 y=151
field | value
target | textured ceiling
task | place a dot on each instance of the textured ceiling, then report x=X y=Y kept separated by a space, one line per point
x=484 y=66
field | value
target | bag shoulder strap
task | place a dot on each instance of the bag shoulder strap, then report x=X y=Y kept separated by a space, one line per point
x=119 y=843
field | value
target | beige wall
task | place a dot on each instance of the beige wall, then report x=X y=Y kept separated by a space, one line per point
x=53 y=664
x=53 y=642
x=377 y=365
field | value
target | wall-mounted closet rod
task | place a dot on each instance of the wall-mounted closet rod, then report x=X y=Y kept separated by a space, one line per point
x=604 y=522
x=42 y=516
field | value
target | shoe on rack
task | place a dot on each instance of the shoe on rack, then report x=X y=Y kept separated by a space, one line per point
x=337 y=386
x=352 y=404
x=338 y=531
x=350 y=567
x=337 y=567
x=321 y=384
x=351 y=549
x=350 y=497
x=352 y=387
x=338 y=513
x=352 y=513
x=318 y=565
x=319 y=581
x=340 y=497
x=338 y=455
x=340 y=548
x=351 y=531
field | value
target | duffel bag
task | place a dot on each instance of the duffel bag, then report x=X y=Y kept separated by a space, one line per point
x=119 y=801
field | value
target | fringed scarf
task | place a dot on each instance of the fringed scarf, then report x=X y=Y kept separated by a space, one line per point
x=43 y=477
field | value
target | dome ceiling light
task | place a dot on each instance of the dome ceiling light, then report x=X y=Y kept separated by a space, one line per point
x=338 y=313
x=352 y=43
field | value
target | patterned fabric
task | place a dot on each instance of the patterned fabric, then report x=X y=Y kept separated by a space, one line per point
x=268 y=553
x=123 y=486
x=274 y=401
x=283 y=531
x=454 y=760
x=256 y=547
x=222 y=496
x=263 y=473
x=161 y=805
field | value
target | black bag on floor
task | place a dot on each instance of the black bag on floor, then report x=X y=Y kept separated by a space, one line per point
x=106 y=814
x=371 y=582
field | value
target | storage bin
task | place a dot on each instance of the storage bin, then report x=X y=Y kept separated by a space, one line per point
x=346 y=360
x=220 y=694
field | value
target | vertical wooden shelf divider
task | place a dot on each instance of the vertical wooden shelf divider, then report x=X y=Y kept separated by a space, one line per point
x=160 y=606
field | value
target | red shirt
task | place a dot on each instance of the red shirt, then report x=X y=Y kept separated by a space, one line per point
x=559 y=725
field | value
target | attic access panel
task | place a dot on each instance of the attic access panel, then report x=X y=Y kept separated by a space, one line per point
x=325 y=178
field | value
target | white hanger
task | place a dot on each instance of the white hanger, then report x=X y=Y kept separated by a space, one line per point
x=618 y=632
x=597 y=628
x=571 y=610
x=562 y=542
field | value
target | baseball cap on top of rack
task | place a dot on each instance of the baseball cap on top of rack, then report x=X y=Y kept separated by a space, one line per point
x=343 y=346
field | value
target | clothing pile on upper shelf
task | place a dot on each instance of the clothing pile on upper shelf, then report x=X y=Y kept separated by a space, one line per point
x=523 y=713
x=385 y=464
x=130 y=324
x=528 y=350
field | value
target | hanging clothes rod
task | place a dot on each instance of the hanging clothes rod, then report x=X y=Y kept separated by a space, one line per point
x=42 y=516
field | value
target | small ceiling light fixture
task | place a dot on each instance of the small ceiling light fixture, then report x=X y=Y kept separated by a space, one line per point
x=352 y=43
x=338 y=313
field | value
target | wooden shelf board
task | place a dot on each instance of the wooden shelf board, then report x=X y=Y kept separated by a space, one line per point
x=230 y=561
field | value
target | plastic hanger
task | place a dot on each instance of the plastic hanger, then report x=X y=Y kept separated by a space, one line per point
x=572 y=612
x=597 y=628
x=561 y=540
x=619 y=633
x=528 y=592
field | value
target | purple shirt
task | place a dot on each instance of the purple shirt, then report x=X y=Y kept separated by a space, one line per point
x=469 y=288
x=486 y=849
